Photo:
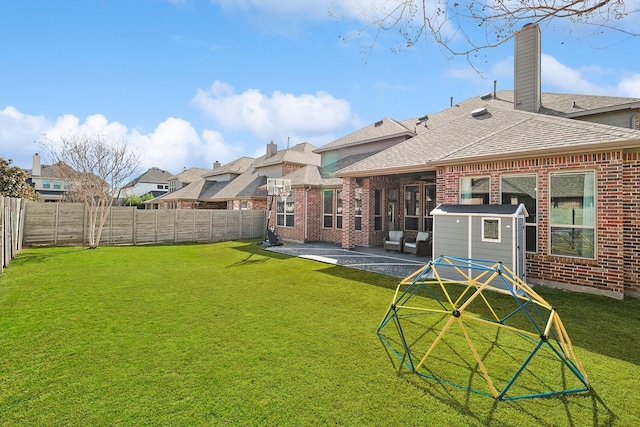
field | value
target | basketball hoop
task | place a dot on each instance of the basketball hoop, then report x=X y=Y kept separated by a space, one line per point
x=283 y=196
x=279 y=187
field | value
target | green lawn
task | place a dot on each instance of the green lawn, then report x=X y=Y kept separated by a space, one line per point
x=230 y=334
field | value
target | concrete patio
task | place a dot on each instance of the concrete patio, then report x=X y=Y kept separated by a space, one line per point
x=374 y=259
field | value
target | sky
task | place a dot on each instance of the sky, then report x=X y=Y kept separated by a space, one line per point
x=189 y=82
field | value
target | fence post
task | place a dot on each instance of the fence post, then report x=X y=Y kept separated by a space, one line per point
x=2 y=226
x=134 y=226
x=55 y=224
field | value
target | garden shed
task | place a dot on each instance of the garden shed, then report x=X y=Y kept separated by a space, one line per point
x=487 y=232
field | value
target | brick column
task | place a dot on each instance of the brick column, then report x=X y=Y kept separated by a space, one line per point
x=348 y=218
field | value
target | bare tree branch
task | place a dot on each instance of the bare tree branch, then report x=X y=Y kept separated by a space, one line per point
x=95 y=170
x=467 y=27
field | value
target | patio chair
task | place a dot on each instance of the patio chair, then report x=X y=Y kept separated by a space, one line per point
x=394 y=242
x=420 y=246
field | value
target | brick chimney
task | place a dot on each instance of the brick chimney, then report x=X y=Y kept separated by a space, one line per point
x=216 y=165
x=272 y=149
x=527 y=94
x=36 y=170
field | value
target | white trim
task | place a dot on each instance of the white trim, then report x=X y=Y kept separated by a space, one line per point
x=499 y=230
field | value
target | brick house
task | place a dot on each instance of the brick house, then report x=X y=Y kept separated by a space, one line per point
x=240 y=184
x=573 y=160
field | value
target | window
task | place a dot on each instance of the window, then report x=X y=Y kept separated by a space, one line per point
x=516 y=189
x=491 y=230
x=573 y=214
x=338 y=208
x=285 y=212
x=46 y=184
x=327 y=197
x=474 y=190
x=411 y=207
x=429 y=205
x=377 y=210
x=358 y=209
x=57 y=185
x=244 y=205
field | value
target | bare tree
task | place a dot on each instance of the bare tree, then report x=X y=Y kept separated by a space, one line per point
x=95 y=170
x=467 y=27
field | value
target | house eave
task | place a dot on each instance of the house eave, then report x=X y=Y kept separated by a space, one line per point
x=591 y=148
x=388 y=171
x=629 y=106
x=366 y=141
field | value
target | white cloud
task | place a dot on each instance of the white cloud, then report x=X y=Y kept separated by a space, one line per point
x=172 y=145
x=630 y=86
x=303 y=118
x=588 y=79
x=18 y=135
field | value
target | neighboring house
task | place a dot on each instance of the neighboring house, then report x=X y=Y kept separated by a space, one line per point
x=248 y=190
x=197 y=194
x=186 y=177
x=240 y=185
x=47 y=180
x=154 y=181
x=572 y=160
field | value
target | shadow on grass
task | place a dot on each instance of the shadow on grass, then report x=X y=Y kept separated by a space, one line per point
x=462 y=400
x=253 y=248
x=37 y=256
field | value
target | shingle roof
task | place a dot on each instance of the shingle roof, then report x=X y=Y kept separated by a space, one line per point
x=455 y=135
x=302 y=154
x=555 y=104
x=306 y=176
x=190 y=175
x=237 y=167
x=380 y=130
x=153 y=175
x=246 y=185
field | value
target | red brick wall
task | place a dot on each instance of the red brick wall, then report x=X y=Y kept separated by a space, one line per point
x=606 y=274
x=631 y=179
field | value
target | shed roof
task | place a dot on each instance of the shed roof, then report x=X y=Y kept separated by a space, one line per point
x=497 y=210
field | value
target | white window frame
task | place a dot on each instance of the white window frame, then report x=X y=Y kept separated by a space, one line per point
x=470 y=200
x=528 y=225
x=499 y=230
x=593 y=227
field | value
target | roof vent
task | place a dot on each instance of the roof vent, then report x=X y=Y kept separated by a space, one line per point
x=479 y=112
x=486 y=96
x=378 y=123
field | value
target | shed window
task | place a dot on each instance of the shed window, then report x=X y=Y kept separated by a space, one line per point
x=491 y=230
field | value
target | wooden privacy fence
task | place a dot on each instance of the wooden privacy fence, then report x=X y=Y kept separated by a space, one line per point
x=66 y=224
x=11 y=228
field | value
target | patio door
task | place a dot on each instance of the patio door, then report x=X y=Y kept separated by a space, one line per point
x=392 y=215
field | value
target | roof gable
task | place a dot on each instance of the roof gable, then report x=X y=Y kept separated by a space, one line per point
x=383 y=129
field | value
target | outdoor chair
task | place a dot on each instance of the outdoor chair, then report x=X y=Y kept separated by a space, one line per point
x=420 y=246
x=394 y=242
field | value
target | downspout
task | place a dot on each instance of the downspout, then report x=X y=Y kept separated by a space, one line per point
x=306 y=213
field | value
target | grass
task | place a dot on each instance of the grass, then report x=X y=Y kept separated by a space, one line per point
x=230 y=334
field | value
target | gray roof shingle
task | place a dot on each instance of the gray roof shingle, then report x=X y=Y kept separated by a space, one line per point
x=456 y=136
